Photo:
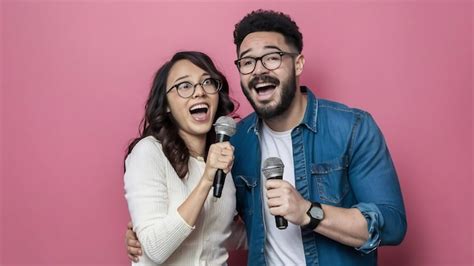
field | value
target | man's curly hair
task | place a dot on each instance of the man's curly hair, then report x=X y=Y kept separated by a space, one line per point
x=269 y=20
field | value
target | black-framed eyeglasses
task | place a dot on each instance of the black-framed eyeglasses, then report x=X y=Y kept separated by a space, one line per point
x=270 y=61
x=186 y=89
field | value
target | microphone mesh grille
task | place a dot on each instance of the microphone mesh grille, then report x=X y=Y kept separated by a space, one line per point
x=225 y=125
x=273 y=167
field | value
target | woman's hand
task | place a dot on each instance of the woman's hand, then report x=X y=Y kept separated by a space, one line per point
x=220 y=156
x=134 y=249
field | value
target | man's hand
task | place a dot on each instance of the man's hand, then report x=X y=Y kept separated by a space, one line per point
x=131 y=242
x=286 y=201
x=345 y=225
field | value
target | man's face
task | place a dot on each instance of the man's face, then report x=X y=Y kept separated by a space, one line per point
x=270 y=92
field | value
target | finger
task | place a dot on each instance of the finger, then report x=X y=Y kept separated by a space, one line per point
x=227 y=152
x=231 y=165
x=222 y=165
x=278 y=183
x=274 y=193
x=221 y=145
x=130 y=225
x=274 y=183
x=227 y=159
x=225 y=145
x=228 y=169
x=134 y=251
x=214 y=149
x=276 y=202
x=133 y=243
x=277 y=211
x=133 y=258
x=130 y=235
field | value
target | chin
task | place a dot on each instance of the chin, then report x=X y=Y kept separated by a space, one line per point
x=202 y=130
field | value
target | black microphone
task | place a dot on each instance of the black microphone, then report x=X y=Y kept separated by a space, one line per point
x=225 y=128
x=273 y=169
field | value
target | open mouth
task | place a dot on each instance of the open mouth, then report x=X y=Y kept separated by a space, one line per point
x=264 y=88
x=199 y=111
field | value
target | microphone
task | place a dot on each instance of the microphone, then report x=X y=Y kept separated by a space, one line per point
x=225 y=128
x=273 y=169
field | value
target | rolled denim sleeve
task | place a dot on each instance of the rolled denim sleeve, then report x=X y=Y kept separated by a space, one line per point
x=375 y=223
x=376 y=186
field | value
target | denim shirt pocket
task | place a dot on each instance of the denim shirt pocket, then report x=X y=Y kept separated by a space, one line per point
x=331 y=179
x=245 y=191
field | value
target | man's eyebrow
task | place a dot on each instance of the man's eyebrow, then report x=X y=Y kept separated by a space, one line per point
x=244 y=52
x=265 y=47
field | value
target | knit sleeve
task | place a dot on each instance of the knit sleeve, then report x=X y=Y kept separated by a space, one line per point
x=159 y=230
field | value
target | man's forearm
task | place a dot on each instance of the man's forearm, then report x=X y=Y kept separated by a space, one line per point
x=344 y=225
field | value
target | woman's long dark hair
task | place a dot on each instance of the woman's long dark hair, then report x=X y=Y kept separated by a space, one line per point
x=160 y=124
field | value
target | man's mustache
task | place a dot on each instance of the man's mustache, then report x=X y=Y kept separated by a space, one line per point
x=263 y=79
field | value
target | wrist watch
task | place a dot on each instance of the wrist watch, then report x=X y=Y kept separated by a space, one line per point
x=316 y=215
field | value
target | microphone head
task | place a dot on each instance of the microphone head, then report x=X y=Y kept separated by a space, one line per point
x=225 y=125
x=273 y=167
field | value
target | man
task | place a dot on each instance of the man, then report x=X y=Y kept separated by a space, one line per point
x=339 y=193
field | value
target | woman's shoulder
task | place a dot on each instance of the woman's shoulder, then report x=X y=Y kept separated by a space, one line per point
x=147 y=146
x=149 y=141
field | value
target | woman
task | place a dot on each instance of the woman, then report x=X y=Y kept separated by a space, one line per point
x=170 y=168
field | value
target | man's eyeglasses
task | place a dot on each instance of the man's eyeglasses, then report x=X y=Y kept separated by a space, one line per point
x=270 y=61
x=186 y=89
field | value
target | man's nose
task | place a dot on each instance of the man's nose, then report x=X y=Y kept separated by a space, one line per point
x=259 y=68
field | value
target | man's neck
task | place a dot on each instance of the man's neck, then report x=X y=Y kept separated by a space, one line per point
x=292 y=116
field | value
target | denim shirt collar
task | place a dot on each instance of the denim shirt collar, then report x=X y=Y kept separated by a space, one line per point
x=310 y=115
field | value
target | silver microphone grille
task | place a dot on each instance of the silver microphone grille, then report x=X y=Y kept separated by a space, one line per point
x=225 y=125
x=273 y=167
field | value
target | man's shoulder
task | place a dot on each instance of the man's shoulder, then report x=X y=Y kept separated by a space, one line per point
x=244 y=127
x=337 y=109
x=247 y=122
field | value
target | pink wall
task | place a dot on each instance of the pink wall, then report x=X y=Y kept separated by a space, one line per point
x=1 y=130
x=76 y=74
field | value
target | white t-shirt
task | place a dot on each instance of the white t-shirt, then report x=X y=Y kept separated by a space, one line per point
x=282 y=247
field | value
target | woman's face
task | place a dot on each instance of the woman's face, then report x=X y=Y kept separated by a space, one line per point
x=195 y=114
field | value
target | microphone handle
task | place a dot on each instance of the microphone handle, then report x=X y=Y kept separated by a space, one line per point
x=281 y=222
x=218 y=184
x=219 y=179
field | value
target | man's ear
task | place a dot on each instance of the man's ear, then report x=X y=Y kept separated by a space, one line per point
x=299 y=65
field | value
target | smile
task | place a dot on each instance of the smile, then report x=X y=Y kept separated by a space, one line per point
x=264 y=88
x=199 y=111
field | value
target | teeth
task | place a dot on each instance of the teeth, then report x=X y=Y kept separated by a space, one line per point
x=199 y=106
x=260 y=85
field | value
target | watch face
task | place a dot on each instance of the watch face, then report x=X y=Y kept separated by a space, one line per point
x=317 y=213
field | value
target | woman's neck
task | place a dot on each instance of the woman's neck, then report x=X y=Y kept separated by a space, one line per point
x=196 y=144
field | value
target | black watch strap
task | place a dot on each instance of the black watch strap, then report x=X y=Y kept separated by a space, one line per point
x=313 y=221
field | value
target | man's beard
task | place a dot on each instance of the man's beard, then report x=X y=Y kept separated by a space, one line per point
x=288 y=90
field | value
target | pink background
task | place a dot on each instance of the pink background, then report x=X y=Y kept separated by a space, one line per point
x=75 y=75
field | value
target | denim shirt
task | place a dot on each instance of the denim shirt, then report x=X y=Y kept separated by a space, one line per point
x=340 y=159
